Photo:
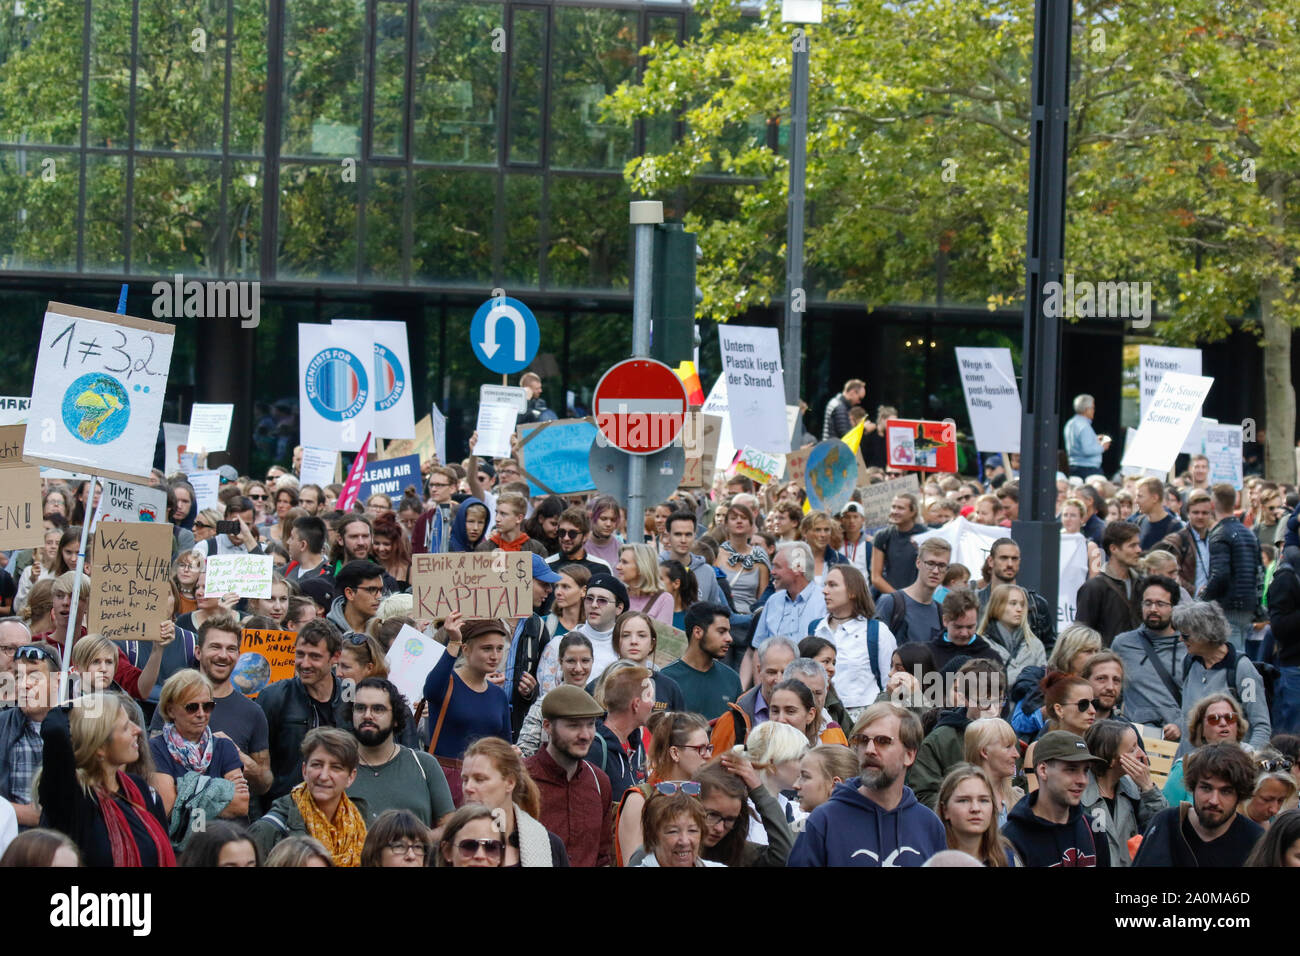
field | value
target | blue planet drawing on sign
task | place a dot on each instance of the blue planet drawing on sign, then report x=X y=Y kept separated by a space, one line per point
x=831 y=475
x=251 y=674
x=413 y=647
x=96 y=408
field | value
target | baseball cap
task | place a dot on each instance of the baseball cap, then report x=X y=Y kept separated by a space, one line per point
x=1062 y=745
x=853 y=506
x=543 y=571
x=228 y=474
x=570 y=701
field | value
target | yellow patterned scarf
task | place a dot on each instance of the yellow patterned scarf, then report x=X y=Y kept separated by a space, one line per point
x=343 y=837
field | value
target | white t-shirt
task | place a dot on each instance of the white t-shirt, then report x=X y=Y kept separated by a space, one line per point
x=8 y=825
x=855 y=682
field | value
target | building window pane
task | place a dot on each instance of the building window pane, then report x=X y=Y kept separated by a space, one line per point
x=40 y=72
x=390 y=80
x=110 y=72
x=384 y=224
x=38 y=210
x=176 y=216
x=324 y=49
x=248 y=78
x=521 y=255
x=594 y=51
x=318 y=223
x=527 y=72
x=244 y=219
x=589 y=234
x=104 y=228
x=660 y=129
x=453 y=226
x=458 y=75
x=180 y=77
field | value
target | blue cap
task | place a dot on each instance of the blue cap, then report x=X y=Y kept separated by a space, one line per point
x=542 y=571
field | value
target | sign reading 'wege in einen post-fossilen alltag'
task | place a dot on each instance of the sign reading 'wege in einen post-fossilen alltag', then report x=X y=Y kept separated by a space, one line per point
x=479 y=585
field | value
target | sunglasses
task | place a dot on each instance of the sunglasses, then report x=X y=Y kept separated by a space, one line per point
x=597 y=601
x=193 y=707
x=1217 y=719
x=1084 y=704
x=203 y=526
x=355 y=638
x=33 y=652
x=881 y=741
x=469 y=848
x=668 y=787
x=1276 y=764
x=258 y=497
x=568 y=533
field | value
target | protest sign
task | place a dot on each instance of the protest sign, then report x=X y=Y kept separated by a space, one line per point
x=391 y=476
x=1130 y=436
x=206 y=484
x=438 y=424
x=1153 y=362
x=759 y=465
x=498 y=408
x=123 y=501
x=1169 y=418
x=98 y=392
x=716 y=404
x=335 y=399
x=13 y=409
x=1072 y=574
x=920 y=445
x=175 y=435
x=248 y=575
x=394 y=408
x=480 y=584
x=11 y=445
x=832 y=474
x=553 y=456
x=129 y=585
x=21 y=522
x=209 y=428
x=265 y=657
x=317 y=466
x=700 y=436
x=423 y=444
x=670 y=643
x=751 y=366
x=877 y=498
x=1223 y=448
x=410 y=658
x=992 y=398
x=796 y=465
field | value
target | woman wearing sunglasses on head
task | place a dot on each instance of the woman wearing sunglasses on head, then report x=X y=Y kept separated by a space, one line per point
x=187 y=750
x=672 y=827
x=1216 y=718
x=471 y=837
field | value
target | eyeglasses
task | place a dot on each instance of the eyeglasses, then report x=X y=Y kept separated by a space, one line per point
x=440 y=484
x=377 y=709
x=1216 y=719
x=1084 y=704
x=374 y=589
x=936 y=565
x=193 y=707
x=405 y=849
x=469 y=848
x=880 y=740
x=713 y=818
x=355 y=638
x=704 y=750
x=1156 y=604
x=34 y=652
x=568 y=533
x=597 y=601
x=668 y=787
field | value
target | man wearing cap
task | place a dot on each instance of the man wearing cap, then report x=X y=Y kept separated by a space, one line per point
x=857 y=546
x=576 y=796
x=1048 y=827
x=528 y=639
x=605 y=600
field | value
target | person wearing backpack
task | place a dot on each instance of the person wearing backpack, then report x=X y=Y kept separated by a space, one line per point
x=1153 y=654
x=864 y=646
x=912 y=613
x=1214 y=665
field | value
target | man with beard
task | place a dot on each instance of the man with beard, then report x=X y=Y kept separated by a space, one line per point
x=1048 y=827
x=1153 y=657
x=390 y=776
x=707 y=684
x=234 y=716
x=576 y=796
x=874 y=819
x=1209 y=831
x=1105 y=672
x=571 y=531
x=1004 y=557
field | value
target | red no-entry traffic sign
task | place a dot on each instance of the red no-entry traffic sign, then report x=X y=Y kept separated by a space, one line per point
x=640 y=406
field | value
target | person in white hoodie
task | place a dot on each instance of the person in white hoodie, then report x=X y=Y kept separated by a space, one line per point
x=605 y=600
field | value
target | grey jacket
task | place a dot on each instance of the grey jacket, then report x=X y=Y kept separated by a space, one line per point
x=1247 y=687
x=1146 y=698
x=1134 y=811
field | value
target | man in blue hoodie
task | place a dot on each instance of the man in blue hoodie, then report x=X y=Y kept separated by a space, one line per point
x=1048 y=828
x=874 y=819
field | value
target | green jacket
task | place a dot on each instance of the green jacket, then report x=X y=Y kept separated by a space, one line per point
x=942 y=749
x=284 y=819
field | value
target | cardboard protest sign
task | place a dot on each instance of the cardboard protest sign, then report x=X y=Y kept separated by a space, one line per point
x=1173 y=411
x=11 y=445
x=1223 y=448
x=209 y=428
x=423 y=444
x=264 y=658
x=13 y=409
x=796 y=465
x=132 y=564
x=98 y=392
x=751 y=365
x=391 y=476
x=248 y=575
x=499 y=406
x=123 y=501
x=877 y=498
x=700 y=435
x=553 y=456
x=914 y=445
x=759 y=465
x=335 y=386
x=480 y=584
x=394 y=409
x=988 y=381
x=21 y=523
x=410 y=658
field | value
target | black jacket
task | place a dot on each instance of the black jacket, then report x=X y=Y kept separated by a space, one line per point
x=1040 y=843
x=1104 y=606
x=289 y=715
x=1284 y=613
x=607 y=754
x=942 y=651
x=528 y=654
x=1235 y=567
x=1164 y=844
x=836 y=423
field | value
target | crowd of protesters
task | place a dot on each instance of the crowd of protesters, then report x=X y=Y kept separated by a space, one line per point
x=837 y=694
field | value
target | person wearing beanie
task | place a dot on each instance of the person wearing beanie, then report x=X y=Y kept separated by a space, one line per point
x=576 y=795
x=606 y=599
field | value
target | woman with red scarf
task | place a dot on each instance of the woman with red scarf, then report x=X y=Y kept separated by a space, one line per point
x=112 y=816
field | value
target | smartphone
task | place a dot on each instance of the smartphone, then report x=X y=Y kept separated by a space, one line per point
x=227 y=527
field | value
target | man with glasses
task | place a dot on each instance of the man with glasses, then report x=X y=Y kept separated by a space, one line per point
x=13 y=635
x=1048 y=827
x=911 y=612
x=1154 y=658
x=360 y=589
x=979 y=691
x=605 y=600
x=576 y=796
x=571 y=531
x=36 y=670
x=238 y=509
x=874 y=819
x=391 y=776
x=432 y=533
x=960 y=615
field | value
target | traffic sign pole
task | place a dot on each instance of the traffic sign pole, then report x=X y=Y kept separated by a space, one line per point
x=644 y=216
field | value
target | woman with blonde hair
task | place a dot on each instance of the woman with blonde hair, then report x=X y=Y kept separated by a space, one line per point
x=113 y=817
x=1005 y=626
x=775 y=750
x=991 y=745
x=968 y=808
x=361 y=656
x=1073 y=647
x=638 y=568
x=38 y=614
x=493 y=774
x=299 y=851
x=821 y=770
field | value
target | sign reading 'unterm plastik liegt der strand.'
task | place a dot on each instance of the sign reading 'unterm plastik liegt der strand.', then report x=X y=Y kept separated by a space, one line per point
x=485 y=584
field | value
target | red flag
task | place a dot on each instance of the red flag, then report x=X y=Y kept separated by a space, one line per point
x=352 y=487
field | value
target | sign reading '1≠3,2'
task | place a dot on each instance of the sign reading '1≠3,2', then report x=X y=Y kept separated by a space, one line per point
x=97 y=394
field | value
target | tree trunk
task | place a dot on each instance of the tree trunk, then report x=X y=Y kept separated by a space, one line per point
x=1279 y=395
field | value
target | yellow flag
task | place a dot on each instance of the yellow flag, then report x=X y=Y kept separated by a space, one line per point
x=853 y=437
x=807 y=506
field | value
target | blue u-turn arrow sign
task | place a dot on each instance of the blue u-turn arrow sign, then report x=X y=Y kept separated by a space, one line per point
x=504 y=335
